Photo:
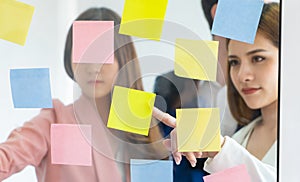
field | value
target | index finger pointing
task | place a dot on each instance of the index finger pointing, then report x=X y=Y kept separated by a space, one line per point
x=164 y=117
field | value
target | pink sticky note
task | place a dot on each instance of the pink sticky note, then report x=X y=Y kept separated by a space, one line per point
x=71 y=144
x=93 y=42
x=238 y=174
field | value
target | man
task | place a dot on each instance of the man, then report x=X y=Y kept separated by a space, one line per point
x=228 y=123
x=179 y=92
x=187 y=93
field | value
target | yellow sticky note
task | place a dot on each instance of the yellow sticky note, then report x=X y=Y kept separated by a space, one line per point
x=196 y=59
x=143 y=18
x=131 y=110
x=15 y=18
x=198 y=130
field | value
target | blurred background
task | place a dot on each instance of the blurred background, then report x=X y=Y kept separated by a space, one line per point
x=45 y=44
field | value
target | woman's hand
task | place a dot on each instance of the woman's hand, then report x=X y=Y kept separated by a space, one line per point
x=166 y=118
x=171 y=144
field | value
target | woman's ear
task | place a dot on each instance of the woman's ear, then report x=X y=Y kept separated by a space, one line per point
x=213 y=11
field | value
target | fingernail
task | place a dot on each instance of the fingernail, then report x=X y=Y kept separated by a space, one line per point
x=177 y=161
x=193 y=164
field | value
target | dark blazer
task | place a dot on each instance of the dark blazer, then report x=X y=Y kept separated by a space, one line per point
x=177 y=92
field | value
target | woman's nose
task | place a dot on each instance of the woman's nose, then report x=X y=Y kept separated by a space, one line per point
x=93 y=68
x=246 y=73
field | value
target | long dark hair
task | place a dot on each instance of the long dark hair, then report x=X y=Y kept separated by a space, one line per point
x=123 y=46
x=206 y=7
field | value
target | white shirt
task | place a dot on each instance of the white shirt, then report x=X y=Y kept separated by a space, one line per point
x=207 y=93
x=243 y=136
x=233 y=153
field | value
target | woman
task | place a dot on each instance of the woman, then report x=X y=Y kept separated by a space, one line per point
x=111 y=149
x=253 y=100
x=253 y=95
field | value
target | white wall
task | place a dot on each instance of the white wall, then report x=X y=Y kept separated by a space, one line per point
x=290 y=99
x=44 y=48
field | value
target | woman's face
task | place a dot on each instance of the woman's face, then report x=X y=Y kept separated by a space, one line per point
x=95 y=80
x=254 y=71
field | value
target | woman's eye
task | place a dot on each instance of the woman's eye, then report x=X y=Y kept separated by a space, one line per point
x=258 y=59
x=233 y=62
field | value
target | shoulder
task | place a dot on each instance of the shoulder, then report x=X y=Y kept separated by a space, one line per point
x=57 y=113
x=241 y=135
x=58 y=106
x=222 y=92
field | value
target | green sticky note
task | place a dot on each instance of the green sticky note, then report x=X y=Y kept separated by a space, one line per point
x=198 y=130
x=196 y=59
x=143 y=18
x=15 y=19
x=131 y=110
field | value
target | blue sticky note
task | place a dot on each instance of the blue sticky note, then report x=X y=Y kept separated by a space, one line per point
x=151 y=170
x=237 y=19
x=31 y=88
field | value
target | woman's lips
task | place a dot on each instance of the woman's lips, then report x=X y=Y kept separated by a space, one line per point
x=94 y=82
x=248 y=91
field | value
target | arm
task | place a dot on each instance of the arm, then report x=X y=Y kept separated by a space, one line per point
x=233 y=154
x=171 y=144
x=26 y=145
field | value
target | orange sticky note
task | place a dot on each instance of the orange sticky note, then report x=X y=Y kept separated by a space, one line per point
x=238 y=174
x=198 y=130
x=143 y=18
x=196 y=59
x=131 y=110
x=93 y=42
x=71 y=144
x=15 y=19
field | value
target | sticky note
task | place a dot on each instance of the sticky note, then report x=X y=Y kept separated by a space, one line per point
x=15 y=19
x=198 y=130
x=143 y=18
x=196 y=59
x=71 y=144
x=93 y=42
x=31 y=88
x=238 y=173
x=131 y=110
x=151 y=170
x=237 y=20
